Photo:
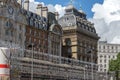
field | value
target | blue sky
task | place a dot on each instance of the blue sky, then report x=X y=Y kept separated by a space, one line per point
x=86 y=4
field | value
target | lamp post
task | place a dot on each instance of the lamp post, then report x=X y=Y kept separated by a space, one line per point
x=85 y=73
x=106 y=75
x=10 y=61
x=91 y=56
x=92 y=65
x=31 y=46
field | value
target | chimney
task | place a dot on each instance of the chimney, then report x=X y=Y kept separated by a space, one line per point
x=26 y=5
x=39 y=9
x=20 y=2
x=44 y=12
x=56 y=15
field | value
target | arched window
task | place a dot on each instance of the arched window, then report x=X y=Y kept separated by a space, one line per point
x=68 y=41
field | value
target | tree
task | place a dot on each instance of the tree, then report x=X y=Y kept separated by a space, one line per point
x=114 y=65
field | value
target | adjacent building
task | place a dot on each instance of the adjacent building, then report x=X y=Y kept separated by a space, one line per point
x=12 y=24
x=79 y=36
x=106 y=52
x=12 y=37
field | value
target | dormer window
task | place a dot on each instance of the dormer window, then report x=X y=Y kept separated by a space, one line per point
x=31 y=22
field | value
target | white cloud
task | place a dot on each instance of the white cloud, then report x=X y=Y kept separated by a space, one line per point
x=33 y=4
x=109 y=10
x=32 y=0
x=57 y=8
x=116 y=40
x=107 y=20
x=51 y=8
x=60 y=9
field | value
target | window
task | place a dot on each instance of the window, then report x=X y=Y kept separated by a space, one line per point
x=20 y=36
x=68 y=41
x=104 y=56
x=69 y=50
x=35 y=33
x=20 y=28
x=112 y=47
x=101 y=65
x=105 y=61
x=31 y=22
x=103 y=47
x=9 y=24
x=105 y=70
x=6 y=32
x=101 y=56
x=105 y=66
x=113 y=56
x=99 y=47
x=108 y=47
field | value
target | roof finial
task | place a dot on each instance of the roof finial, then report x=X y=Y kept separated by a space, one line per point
x=71 y=2
x=80 y=7
x=80 y=10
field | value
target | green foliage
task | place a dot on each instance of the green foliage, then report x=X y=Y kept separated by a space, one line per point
x=114 y=65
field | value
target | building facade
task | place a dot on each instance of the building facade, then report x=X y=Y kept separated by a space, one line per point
x=79 y=36
x=36 y=32
x=106 y=52
x=12 y=36
x=12 y=23
x=38 y=55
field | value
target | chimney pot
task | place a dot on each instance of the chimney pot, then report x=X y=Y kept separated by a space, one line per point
x=39 y=9
x=26 y=5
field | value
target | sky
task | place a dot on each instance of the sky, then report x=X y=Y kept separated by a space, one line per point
x=105 y=14
x=86 y=6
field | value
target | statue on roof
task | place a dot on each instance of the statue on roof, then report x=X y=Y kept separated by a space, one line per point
x=71 y=2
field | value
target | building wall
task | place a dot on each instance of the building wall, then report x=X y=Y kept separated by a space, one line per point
x=37 y=37
x=12 y=24
x=106 y=52
x=81 y=33
x=54 y=36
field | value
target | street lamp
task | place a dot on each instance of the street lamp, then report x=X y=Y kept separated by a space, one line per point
x=31 y=46
x=91 y=55
x=85 y=72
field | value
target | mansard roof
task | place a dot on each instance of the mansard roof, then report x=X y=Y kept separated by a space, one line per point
x=70 y=9
x=76 y=19
x=35 y=20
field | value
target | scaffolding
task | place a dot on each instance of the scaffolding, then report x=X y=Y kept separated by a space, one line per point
x=34 y=65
